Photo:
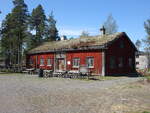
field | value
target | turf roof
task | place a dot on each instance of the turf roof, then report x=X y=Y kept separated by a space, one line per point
x=76 y=43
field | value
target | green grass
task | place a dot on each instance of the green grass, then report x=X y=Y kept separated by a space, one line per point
x=146 y=112
x=103 y=78
x=10 y=74
x=139 y=112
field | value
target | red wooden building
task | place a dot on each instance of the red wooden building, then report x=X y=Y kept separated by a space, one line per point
x=103 y=55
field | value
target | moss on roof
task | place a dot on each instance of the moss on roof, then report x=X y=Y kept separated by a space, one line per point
x=76 y=43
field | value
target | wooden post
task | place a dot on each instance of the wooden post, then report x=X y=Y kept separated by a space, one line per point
x=103 y=63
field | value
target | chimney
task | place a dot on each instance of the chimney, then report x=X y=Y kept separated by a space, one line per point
x=63 y=37
x=103 y=30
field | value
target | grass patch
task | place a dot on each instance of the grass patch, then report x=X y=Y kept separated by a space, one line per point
x=133 y=86
x=11 y=74
x=98 y=78
x=146 y=112
x=139 y=112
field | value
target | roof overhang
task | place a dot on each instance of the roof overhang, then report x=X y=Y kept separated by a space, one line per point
x=86 y=48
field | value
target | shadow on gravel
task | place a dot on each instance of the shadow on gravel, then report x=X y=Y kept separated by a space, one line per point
x=128 y=75
x=95 y=79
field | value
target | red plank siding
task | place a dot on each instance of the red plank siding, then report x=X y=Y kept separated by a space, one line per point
x=45 y=57
x=97 y=55
x=126 y=52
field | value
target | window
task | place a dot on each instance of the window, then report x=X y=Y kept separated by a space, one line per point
x=137 y=63
x=41 y=62
x=137 y=56
x=121 y=44
x=49 y=62
x=76 y=62
x=112 y=62
x=90 y=62
x=120 y=62
x=30 y=61
x=130 y=62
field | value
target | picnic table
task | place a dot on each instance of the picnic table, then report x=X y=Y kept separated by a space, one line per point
x=30 y=70
x=59 y=73
x=48 y=73
x=73 y=73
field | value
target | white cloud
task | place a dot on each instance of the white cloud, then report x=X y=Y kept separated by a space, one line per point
x=77 y=31
x=70 y=32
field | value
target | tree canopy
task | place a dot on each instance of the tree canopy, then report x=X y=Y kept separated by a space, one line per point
x=110 y=25
x=84 y=34
x=14 y=29
x=21 y=31
x=51 y=30
x=138 y=44
x=38 y=24
x=147 y=40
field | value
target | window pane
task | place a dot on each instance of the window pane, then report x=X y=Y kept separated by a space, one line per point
x=120 y=62
x=90 y=62
x=30 y=61
x=49 y=62
x=130 y=62
x=76 y=62
x=121 y=44
x=41 y=61
x=112 y=62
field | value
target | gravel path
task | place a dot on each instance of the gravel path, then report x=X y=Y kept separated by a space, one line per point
x=24 y=94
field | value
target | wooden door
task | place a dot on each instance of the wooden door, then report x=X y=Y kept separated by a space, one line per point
x=61 y=64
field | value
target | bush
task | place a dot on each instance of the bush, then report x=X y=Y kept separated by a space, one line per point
x=144 y=72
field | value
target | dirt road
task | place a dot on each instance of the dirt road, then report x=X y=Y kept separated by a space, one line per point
x=24 y=94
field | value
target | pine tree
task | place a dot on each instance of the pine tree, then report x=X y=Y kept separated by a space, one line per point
x=110 y=25
x=84 y=34
x=37 y=24
x=51 y=30
x=7 y=39
x=20 y=17
x=147 y=40
x=14 y=31
x=138 y=44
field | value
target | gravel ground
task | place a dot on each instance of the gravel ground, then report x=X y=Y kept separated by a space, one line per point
x=26 y=94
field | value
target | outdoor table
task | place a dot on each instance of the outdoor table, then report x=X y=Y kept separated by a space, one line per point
x=47 y=73
x=31 y=70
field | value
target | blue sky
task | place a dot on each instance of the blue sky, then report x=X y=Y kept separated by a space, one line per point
x=74 y=16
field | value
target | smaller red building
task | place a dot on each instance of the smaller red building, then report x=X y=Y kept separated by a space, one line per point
x=103 y=55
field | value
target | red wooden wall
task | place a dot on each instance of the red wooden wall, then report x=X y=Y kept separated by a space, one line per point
x=126 y=52
x=38 y=57
x=97 y=55
x=82 y=55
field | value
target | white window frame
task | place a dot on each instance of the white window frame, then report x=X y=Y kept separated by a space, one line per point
x=76 y=62
x=41 y=62
x=88 y=62
x=49 y=62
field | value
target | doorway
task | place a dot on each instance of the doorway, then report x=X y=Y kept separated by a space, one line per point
x=61 y=64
